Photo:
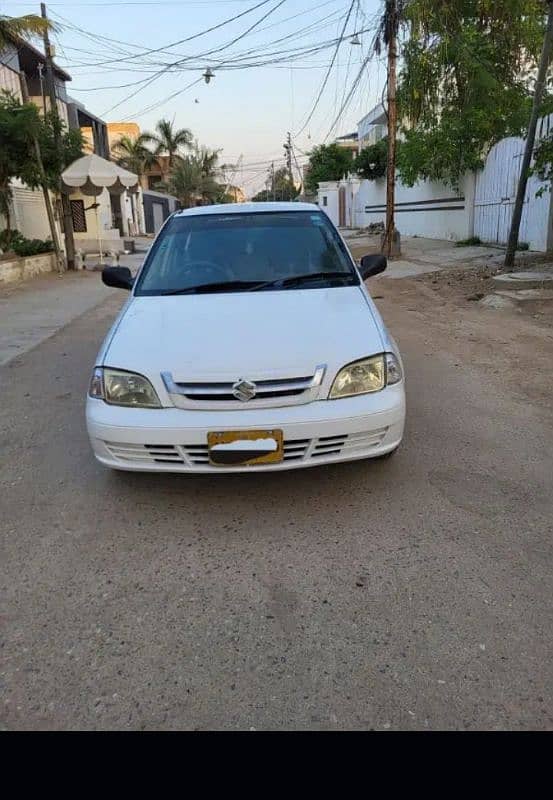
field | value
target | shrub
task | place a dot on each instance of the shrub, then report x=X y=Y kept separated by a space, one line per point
x=32 y=247
x=21 y=246
x=471 y=242
x=372 y=161
x=14 y=236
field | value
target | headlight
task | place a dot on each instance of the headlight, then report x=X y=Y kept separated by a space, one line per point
x=367 y=375
x=121 y=388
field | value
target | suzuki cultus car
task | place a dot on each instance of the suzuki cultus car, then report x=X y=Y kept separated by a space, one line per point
x=248 y=342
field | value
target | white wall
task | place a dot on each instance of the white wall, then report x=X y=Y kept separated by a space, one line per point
x=29 y=212
x=428 y=209
x=327 y=198
x=29 y=218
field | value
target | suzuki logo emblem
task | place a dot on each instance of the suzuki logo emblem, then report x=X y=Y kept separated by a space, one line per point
x=244 y=390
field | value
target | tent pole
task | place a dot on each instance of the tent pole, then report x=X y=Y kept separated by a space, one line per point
x=98 y=235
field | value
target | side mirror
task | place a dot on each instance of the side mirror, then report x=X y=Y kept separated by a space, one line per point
x=118 y=277
x=372 y=265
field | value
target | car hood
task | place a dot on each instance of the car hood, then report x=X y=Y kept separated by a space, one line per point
x=255 y=335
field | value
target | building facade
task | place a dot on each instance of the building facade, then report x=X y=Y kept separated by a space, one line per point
x=481 y=205
x=107 y=217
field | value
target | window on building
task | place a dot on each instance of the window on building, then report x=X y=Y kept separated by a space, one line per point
x=79 y=216
x=325 y=200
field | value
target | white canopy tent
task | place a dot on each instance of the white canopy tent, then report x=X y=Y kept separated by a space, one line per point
x=92 y=174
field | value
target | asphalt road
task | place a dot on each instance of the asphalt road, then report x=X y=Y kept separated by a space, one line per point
x=413 y=593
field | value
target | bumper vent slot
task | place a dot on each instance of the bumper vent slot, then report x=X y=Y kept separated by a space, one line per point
x=196 y=455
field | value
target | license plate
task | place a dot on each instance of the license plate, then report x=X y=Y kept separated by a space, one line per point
x=244 y=448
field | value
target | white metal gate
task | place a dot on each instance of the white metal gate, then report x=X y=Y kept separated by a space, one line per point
x=496 y=188
x=157 y=209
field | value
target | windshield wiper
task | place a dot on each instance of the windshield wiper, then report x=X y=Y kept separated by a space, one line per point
x=214 y=287
x=283 y=283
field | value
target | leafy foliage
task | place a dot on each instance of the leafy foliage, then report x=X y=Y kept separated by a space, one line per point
x=279 y=188
x=465 y=81
x=25 y=27
x=370 y=163
x=327 y=163
x=543 y=160
x=193 y=179
x=20 y=124
x=14 y=241
x=171 y=142
x=134 y=154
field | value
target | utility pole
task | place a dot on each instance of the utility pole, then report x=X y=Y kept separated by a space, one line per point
x=391 y=236
x=66 y=205
x=273 y=179
x=288 y=155
x=43 y=183
x=530 y=139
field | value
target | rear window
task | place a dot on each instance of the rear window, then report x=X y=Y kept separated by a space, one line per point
x=217 y=248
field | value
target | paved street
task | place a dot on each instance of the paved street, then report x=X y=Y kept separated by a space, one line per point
x=412 y=593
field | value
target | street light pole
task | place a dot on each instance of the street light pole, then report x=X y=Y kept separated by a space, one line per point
x=66 y=205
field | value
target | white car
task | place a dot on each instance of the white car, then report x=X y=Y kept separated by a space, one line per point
x=249 y=342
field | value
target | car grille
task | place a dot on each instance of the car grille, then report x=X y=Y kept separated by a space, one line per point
x=272 y=392
x=196 y=455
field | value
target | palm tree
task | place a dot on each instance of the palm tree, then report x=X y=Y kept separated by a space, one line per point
x=184 y=181
x=134 y=154
x=17 y=27
x=194 y=177
x=170 y=142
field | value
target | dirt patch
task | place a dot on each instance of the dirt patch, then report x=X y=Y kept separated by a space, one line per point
x=514 y=349
x=466 y=286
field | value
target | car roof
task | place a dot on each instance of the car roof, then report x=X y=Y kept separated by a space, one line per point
x=246 y=208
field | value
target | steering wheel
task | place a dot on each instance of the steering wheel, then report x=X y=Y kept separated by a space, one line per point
x=212 y=271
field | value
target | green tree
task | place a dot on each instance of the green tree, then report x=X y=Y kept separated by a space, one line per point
x=370 y=163
x=20 y=125
x=279 y=188
x=327 y=162
x=15 y=134
x=170 y=141
x=24 y=27
x=465 y=81
x=193 y=179
x=54 y=160
x=134 y=154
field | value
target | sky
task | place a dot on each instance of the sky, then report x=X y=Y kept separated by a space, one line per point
x=247 y=108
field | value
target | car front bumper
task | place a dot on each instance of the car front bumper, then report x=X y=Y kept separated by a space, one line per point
x=175 y=440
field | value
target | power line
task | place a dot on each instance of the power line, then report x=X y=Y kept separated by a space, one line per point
x=330 y=66
x=238 y=58
x=102 y=38
x=349 y=96
x=163 y=71
x=189 y=38
x=165 y=100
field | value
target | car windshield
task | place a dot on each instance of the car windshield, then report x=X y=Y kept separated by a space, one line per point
x=246 y=251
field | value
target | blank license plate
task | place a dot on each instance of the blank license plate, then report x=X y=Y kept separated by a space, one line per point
x=245 y=448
